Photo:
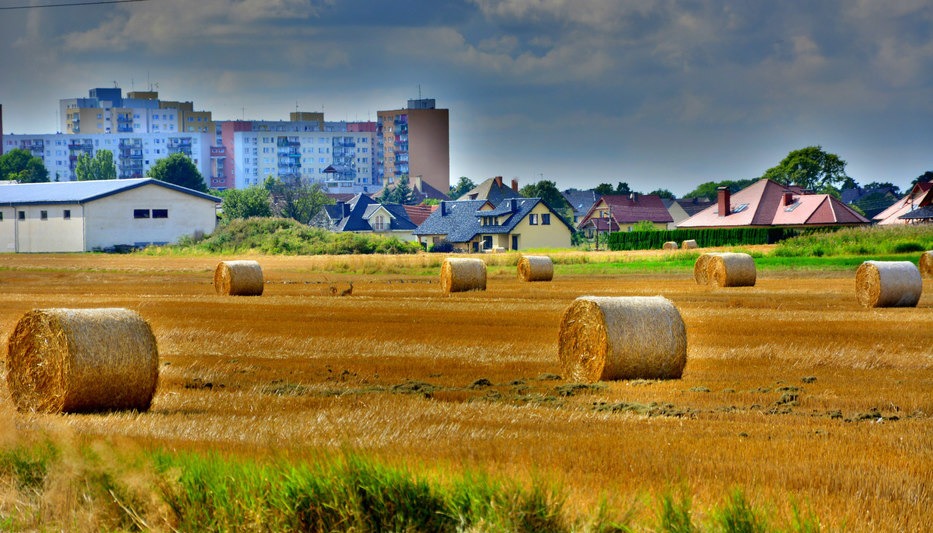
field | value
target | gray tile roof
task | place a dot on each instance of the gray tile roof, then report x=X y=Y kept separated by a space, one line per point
x=461 y=220
x=75 y=192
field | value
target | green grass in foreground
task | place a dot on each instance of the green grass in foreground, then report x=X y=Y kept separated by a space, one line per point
x=188 y=491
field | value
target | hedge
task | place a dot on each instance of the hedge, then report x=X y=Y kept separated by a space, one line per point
x=649 y=240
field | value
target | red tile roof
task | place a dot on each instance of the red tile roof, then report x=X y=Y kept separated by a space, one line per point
x=763 y=204
x=419 y=213
x=629 y=209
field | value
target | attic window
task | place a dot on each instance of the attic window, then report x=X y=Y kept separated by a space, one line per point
x=739 y=208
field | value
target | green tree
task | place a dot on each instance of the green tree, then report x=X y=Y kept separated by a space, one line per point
x=178 y=169
x=925 y=177
x=99 y=167
x=401 y=193
x=623 y=188
x=245 y=203
x=604 y=189
x=663 y=193
x=463 y=186
x=547 y=191
x=708 y=189
x=297 y=201
x=811 y=168
x=20 y=165
x=644 y=225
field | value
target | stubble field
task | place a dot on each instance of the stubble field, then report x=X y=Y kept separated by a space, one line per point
x=792 y=392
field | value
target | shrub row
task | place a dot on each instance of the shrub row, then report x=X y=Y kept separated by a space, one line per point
x=288 y=237
x=650 y=240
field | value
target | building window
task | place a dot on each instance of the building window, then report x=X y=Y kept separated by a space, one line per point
x=140 y=213
x=379 y=223
x=546 y=219
x=160 y=213
x=43 y=215
x=66 y=214
x=22 y=215
x=1 y=216
x=533 y=219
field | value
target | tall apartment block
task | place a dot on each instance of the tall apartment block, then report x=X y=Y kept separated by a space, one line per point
x=415 y=141
x=341 y=155
x=105 y=110
x=133 y=153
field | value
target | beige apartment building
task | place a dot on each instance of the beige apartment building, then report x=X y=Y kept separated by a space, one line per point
x=415 y=141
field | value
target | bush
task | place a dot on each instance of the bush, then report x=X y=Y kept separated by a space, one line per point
x=287 y=237
x=442 y=246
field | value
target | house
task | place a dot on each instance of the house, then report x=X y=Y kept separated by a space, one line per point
x=80 y=216
x=478 y=225
x=768 y=203
x=870 y=201
x=920 y=196
x=420 y=190
x=492 y=190
x=362 y=214
x=580 y=201
x=620 y=212
x=684 y=208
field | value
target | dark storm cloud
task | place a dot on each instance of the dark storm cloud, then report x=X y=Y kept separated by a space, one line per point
x=654 y=92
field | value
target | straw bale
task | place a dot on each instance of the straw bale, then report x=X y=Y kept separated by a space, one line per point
x=926 y=264
x=463 y=274
x=609 y=338
x=888 y=284
x=701 y=268
x=731 y=270
x=669 y=245
x=238 y=278
x=689 y=244
x=79 y=360
x=535 y=268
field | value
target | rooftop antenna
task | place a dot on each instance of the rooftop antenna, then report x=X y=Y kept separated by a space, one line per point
x=419 y=91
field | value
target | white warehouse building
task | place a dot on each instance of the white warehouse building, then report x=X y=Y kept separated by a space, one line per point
x=83 y=216
x=133 y=153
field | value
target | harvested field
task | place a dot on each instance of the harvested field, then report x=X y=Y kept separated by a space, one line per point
x=792 y=391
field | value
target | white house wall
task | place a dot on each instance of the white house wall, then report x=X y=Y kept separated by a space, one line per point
x=52 y=233
x=7 y=230
x=110 y=220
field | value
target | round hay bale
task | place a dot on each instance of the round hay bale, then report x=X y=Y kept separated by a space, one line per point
x=79 y=360
x=888 y=284
x=926 y=264
x=610 y=338
x=689 y=244
x=238 y=278
x=463 y=274
x=731 y=270
x=535 y=268
x=701 y=268
x=669 y=245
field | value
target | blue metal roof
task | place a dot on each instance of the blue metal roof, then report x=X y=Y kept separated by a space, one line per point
x=79 y=192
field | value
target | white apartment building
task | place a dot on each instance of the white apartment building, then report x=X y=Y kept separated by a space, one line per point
x=342 y=160
x=133 y=153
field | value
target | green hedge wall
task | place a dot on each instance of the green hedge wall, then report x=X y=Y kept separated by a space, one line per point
x=651 y=240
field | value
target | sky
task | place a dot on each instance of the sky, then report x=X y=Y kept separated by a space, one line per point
x=656 y=93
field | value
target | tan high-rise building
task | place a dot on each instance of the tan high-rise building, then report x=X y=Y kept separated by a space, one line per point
x=415 y=142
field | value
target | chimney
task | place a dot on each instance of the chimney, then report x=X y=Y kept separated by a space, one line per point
x=514 y=184
x=498 y=181
x=513 y=204
x=443 y=208
x=633 y=197
x=788 y=198
x=724 y=196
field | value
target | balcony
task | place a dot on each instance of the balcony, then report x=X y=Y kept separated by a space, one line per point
x=218 y=151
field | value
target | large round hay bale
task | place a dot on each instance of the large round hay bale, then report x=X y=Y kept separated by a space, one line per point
x=669 y=245
x=238 y=278
x=608 y=338
x=926 y=264
x=79 y=360
x=689 y=244
x=731 y=270
x=463 y=274
x=701 y=268
x=535 y=268
x=888 y=284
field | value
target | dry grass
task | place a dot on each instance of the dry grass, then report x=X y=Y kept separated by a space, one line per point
x=791 y=390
